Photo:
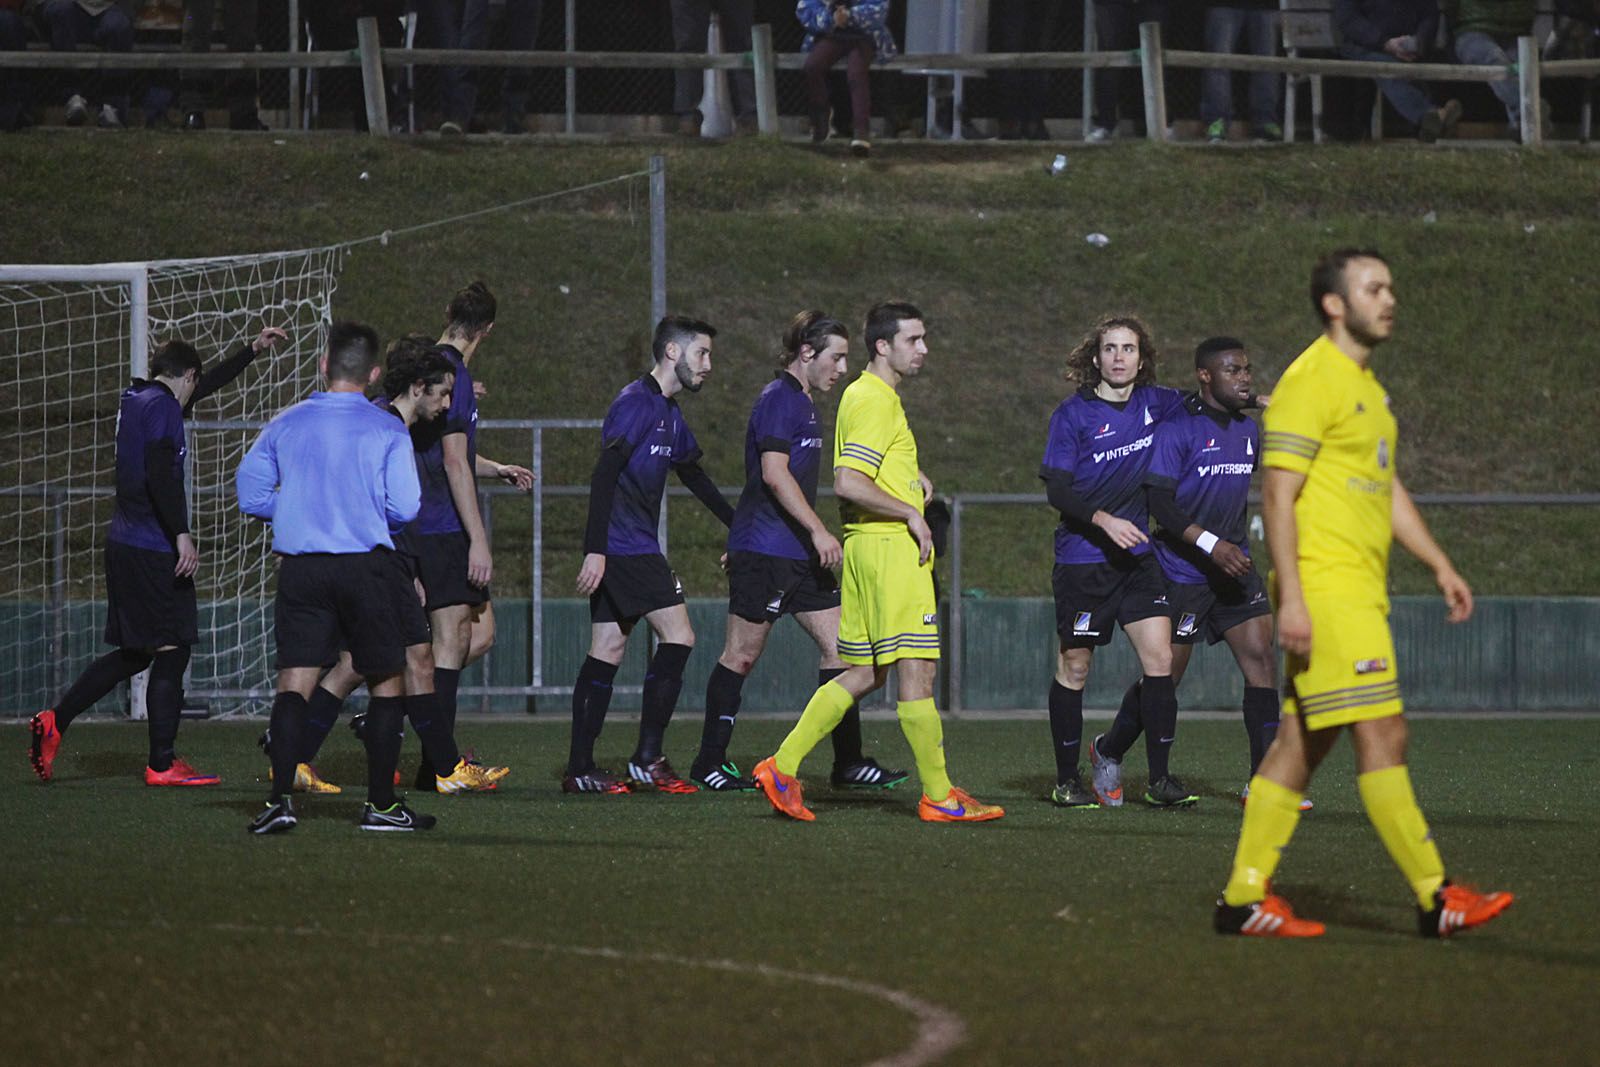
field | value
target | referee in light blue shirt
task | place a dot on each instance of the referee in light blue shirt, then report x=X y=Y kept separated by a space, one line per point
x=334 y=475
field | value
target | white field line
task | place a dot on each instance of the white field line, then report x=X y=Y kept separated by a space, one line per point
x=939 y=1030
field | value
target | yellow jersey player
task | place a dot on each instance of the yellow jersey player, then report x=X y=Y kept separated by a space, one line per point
x=1333 y=503
x=888 y=615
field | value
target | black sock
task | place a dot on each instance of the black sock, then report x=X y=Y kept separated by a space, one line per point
x=385 y=716
x=288 y=712
x=1260 y=721
x=1125 y=728
x=591 y=696
x=438 y=744
x=164 y=704
x=1158 y=704
x=1066 y=729
x=446 y=680
x=322 y=711
x=847 y=735
x=723 y=693
x=98 y=679
x=661 y=685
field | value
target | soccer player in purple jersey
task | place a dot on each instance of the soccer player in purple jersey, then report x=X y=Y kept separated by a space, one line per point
x=1105 y=574
x=152 y=617
x=1199 y=491
x=781 y=555
x=624 y=574
x=450 y=537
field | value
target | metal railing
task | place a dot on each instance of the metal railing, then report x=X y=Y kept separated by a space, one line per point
x=1151 y=58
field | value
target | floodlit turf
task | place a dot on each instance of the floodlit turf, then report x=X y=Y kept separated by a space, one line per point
x=144 y=926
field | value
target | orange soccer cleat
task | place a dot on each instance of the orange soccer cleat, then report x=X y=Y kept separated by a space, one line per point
x=1269 y=917
x=1456 y=907
x=959 y=806
x=783 y=790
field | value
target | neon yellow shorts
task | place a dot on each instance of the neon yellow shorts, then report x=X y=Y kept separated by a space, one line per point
x=1351 y=673
x=886 y=611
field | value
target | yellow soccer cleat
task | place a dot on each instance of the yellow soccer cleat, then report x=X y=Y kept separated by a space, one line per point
x=307 y=780
x=471 y=778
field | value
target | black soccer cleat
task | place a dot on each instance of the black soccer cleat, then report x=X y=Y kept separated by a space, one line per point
x=395 y=818
x=264 y=743
x=595 y=780
x=722 y=778
x=277 y=818
x=866 y=774
x=1168 y=792
x=1073 y=794
x=358 y=726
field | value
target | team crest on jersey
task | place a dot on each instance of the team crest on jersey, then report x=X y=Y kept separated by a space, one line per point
x=1186 y=624
x=1371 y=666
x=1147 y=419
x=1081 y=623
x=1249 y=449
x=1361 y=409
x=1104 y=431
x=1383 y=453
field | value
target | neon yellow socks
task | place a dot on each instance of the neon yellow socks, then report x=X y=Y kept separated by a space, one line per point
x=919 y=719
x=823 y=712
x=1392 y=807
x=1270 y=817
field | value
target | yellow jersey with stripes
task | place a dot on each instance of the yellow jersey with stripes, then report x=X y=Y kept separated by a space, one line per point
x=871 y=435
x=1330 y=420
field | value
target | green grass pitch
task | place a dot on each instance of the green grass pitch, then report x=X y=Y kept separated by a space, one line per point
x=144 y=926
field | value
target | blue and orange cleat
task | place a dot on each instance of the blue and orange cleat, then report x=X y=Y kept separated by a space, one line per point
x=44 y=743
x=180 y=773
x=959 y=806
x=1456 y=907
x=783 y=790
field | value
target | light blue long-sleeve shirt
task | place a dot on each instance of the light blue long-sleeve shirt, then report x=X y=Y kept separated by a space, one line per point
x=333 y=473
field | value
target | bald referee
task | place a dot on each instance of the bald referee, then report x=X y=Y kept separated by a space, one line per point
x=334 y=475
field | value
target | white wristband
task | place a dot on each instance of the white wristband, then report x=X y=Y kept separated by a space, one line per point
x=1206 y=541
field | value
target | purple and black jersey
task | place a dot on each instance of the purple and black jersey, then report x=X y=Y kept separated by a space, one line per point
x=438 y=513
x=783 y=420
x=150 y=451
x=1104 y=449
x=649 y=429
x=1206 y=457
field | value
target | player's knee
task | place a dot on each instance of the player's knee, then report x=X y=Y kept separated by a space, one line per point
x=738 y=661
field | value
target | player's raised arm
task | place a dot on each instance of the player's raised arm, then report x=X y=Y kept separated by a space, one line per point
x=1411 y=530
x=234 y=364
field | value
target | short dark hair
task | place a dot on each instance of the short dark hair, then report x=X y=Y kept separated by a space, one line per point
x=883 y=322
x=352 y=352
x=1206 y=351
x=812 y=328
x=471 y=310
x=678 y=330
x=174 y=359
x=412 y=359
x=1328 y=276
x=1083 y=364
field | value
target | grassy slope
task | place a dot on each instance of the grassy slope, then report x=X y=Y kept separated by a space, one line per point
x=1492 y=373
x=143 y=927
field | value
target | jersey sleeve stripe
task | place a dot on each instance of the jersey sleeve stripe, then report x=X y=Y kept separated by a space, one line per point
x=1282 y=441
x=861 y=456
x=857 y=446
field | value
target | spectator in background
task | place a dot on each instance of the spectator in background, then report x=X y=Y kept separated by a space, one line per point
x=1023 y=26
x=1117 y=30
x=1486 y=33
x=1225 y=25
x=13 y=87
x=856 y=31
x=515 y=30
x=691 y=22
x=332 y=25
x=239 y=33
x=99 y=22
x=1397 y=31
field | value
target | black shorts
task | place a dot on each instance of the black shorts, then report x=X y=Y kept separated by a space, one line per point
x=764 y=588
x=1092 y=598
x=147 y=606
x=408 y=609
x=1215 y=606
x=633 y=587
x=442 y=566
x=328 y=602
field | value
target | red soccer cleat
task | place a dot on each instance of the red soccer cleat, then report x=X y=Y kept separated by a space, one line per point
x=1269 y=917
x=180 y=773
x=1456 y=907
x=44 y=744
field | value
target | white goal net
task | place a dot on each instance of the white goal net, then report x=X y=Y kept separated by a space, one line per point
x=70 y=340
